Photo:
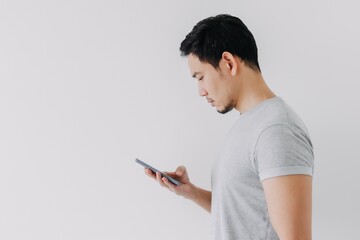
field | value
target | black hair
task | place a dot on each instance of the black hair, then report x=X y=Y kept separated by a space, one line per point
x=214 y=35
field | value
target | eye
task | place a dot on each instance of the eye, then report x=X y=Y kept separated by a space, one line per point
x=201 y=78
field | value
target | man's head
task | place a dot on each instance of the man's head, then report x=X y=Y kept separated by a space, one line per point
x=217 y=47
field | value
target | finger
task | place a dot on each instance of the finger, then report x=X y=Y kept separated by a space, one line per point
x=170 y=185
x=161 y=182
x=150 y=173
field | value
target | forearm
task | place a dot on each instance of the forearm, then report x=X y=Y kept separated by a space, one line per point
x=202 y=198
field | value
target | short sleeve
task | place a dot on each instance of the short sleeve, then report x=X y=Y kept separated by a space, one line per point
x=282 y=150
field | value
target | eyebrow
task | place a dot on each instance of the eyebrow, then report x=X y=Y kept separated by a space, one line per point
x=195 y=73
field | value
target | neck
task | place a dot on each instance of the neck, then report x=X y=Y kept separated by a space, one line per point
x=252 y=91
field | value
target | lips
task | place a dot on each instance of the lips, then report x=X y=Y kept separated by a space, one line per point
x=211 y=102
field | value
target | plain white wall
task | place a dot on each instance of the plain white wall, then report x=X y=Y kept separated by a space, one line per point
x=87 y=86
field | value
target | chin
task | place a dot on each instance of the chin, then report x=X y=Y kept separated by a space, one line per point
x=225 y=109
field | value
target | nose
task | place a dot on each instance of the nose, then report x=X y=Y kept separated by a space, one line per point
x=202 y=91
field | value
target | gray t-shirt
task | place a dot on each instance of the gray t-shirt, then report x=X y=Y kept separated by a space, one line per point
x=267 y=141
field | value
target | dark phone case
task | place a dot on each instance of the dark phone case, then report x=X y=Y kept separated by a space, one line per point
x=154 y=170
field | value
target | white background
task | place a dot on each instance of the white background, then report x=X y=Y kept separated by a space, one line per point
x=88 y=86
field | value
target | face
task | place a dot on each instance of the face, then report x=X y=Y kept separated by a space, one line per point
x=213 y=84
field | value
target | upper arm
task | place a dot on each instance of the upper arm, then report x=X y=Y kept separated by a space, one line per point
x=289 y=201
x=284 y=161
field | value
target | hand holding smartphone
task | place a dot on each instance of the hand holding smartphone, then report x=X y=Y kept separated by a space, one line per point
x=174 y=181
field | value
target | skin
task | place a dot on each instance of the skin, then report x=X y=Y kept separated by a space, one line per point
x=235 y=85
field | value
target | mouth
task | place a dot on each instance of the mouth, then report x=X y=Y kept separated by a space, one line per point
x=211 y=102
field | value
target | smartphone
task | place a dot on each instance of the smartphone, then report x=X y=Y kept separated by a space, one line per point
x=174 y=181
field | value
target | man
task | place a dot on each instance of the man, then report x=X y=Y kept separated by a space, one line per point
x=262 y=180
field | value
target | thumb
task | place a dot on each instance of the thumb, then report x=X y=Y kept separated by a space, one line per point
x=180 y=171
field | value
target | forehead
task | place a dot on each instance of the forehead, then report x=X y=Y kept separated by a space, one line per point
x=193 y=62
x=195 y=65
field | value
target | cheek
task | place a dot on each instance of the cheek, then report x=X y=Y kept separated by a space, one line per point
x=216 y=88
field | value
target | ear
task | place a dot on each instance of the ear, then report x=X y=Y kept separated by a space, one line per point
x=230 y=63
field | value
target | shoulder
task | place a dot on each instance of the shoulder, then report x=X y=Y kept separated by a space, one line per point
x=279 y=115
